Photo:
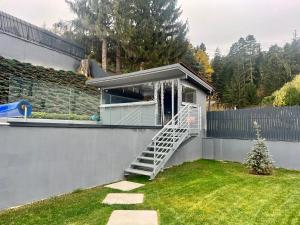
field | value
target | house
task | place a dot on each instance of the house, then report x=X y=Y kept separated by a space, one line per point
x=172 y=97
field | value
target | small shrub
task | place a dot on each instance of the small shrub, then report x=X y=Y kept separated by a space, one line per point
x=57 y=116
x=259 y=160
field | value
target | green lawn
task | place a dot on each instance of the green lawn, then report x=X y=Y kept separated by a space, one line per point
x=201 y=192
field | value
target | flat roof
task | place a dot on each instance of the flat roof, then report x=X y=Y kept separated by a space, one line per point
x=150 y=75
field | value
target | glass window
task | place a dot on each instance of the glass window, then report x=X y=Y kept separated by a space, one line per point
x=140 y=93
x=188 y=95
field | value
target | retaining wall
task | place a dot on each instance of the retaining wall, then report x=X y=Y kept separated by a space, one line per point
x=25 y=51
x=40 y=162
x=285 y=154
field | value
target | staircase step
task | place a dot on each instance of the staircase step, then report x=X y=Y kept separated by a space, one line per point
x=146 y=165
x=146 y=158
x=152 y=152
x=140 y=172
x=160 y=147
x=165 y=142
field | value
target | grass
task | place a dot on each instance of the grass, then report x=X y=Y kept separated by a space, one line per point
x=201 y=192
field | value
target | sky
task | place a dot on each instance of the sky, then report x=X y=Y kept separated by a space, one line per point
x=217 y=23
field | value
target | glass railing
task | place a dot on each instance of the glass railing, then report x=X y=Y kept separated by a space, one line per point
x=49 y=100
x=55 y=102
x=129 y=114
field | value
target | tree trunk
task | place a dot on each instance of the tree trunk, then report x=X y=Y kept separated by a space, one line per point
x=118 y=59
x=104 y=54
x=142 y=66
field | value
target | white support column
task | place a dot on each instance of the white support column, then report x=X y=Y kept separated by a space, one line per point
x=156 y=103
x=173 y=98
x=100 y=102
x=100 y=96
x=162 y=108
x=179 y=94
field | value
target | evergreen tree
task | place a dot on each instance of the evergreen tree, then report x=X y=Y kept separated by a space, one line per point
x=189 y=59
x=238 y=73
x=276 y=70
x=122 y=27
x=159 y=36
x=217 y=65
x=95 y=17
x=259 y=160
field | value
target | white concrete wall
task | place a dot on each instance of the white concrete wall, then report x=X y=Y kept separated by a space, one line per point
x=285 y=154
x=24 y=51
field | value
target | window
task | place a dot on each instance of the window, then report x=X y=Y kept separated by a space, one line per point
x=140 y=93
x=188 y=95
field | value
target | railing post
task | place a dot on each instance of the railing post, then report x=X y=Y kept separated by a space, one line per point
x=154 y=152
x=189 y=119
x=200 y=119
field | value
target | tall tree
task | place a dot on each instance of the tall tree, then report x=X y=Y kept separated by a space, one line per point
x=238 y=73
x=122 y=27
x=94 y=16
x=217 y=65
x=203 y=59
x=189 y=58
x=276 y=70
x=159 y=36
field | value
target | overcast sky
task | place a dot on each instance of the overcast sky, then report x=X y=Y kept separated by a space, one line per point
x=217 y=23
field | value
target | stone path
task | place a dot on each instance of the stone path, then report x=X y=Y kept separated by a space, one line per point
x=129 y=217
x=133 y=217
x=124 y=185
x=123 y=198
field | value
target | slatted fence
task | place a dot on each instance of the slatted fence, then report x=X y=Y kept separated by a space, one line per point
x=277 y=123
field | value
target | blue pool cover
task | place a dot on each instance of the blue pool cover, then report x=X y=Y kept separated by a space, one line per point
x=15 y=109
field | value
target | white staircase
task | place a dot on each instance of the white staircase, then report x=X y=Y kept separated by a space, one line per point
x=180 y=128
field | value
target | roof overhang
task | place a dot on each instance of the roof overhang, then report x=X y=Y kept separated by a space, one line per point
x=169 y=72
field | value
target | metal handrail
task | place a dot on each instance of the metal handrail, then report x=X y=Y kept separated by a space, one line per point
x=177 y=122
x=170 y=122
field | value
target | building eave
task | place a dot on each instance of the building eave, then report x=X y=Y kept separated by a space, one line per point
x=173 y=71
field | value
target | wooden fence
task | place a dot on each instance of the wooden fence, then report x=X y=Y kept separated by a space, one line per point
x=277 y=123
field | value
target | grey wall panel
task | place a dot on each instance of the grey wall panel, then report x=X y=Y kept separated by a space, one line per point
x=40 y=162
x=285 y=154
x=24 y=51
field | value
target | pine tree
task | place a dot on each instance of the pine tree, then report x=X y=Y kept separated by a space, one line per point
x=259 y=160
x=159 y=36
x=276 y=70
x=95 y=17
x=217 y=65
x=189 y=58
x=122 y=27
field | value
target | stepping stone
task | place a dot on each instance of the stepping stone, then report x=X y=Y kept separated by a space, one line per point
x=133 y=217
x=124 y=185
x=123 y=198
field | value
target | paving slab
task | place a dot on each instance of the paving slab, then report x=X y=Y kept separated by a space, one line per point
x=133 y=217
x=124 y=185
x=123 y=198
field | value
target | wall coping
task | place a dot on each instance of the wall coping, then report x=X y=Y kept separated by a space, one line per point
x=21 y=122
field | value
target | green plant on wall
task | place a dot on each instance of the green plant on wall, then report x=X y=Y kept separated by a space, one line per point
x=50 y=92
